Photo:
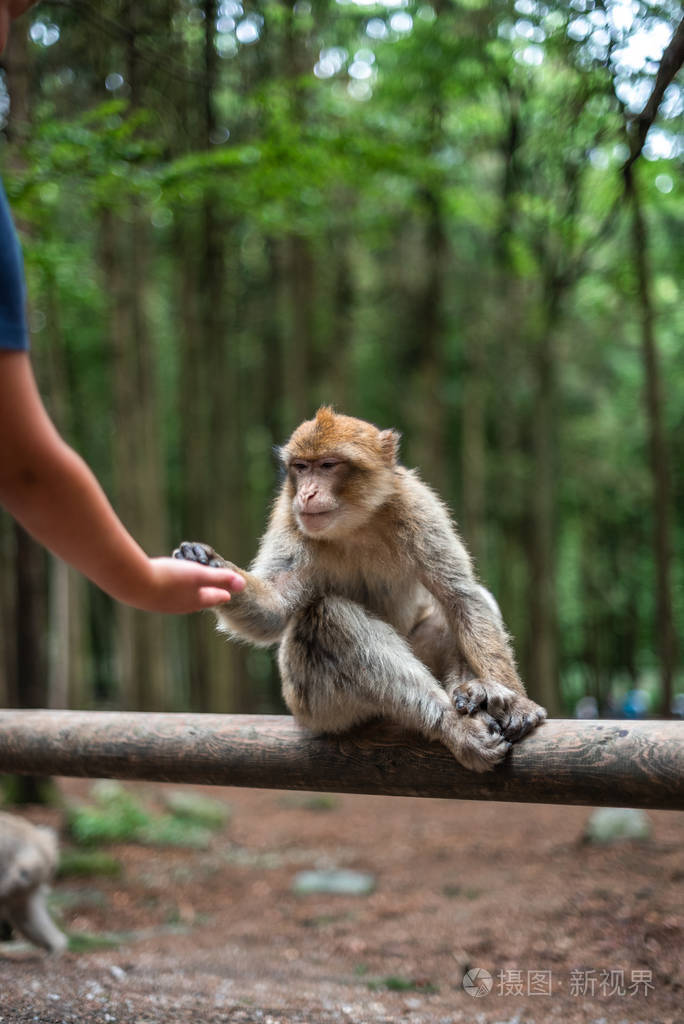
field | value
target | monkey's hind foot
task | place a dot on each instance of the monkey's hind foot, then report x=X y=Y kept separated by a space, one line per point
x=193 y=551
x=476 y=741
x=515 y=714
x=523 y=717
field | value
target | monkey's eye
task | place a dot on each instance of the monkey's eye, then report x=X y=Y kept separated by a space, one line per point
x=329 y=464
x=300 y=467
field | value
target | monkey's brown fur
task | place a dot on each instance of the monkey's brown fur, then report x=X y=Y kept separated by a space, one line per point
x=28 y=858
x=363 y=581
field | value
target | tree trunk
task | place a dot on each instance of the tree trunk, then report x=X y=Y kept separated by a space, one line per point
x=67 y=682
x=296 y=271
x=137 y=454
x=473 y=448
x=339 y=382
x=138 y=468
x=210 y=404
x=659 y=463
x=543 y=635
x=506 y=366
x=29 y=689
x=427 y=411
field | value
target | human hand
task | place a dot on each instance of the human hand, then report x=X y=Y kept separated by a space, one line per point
x=180 y=587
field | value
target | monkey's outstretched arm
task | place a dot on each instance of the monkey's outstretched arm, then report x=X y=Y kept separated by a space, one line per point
x=260 y=612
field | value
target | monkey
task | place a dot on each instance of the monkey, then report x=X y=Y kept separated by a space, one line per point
x=365 y=585
x=28 y=858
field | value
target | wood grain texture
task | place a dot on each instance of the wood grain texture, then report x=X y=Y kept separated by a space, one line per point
x=616 y=763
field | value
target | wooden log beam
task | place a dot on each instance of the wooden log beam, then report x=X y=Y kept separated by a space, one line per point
x=617 y=763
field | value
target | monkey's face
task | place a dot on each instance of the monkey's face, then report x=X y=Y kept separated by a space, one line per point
x=340 y=471
x=333 y=496
x=318 y=487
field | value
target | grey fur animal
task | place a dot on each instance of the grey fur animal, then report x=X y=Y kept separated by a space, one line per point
x=363 y=581
x=28 y=858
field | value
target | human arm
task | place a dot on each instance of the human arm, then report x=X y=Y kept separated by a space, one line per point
x=50 y=490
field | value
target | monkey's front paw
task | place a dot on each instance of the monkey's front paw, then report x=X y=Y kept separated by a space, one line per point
x=477 y=695
x=515 y=714
x=477 y=742
x=192 y=551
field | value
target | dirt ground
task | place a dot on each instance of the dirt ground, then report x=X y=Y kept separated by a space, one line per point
x=568 y=931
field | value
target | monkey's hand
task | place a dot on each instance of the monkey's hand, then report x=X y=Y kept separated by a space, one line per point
x=515 y=713
x=257 y=612
x=476 y=741
x=203 y=555
x=194 y=551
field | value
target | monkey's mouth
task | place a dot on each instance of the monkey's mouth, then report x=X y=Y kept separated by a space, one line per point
x=315 y=521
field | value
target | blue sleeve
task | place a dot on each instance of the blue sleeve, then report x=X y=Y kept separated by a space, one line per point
x=13 y=332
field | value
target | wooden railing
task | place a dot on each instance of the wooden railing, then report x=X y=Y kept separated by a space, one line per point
x=616 y=763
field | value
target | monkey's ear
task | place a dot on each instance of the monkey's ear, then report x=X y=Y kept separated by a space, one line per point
x=389 y=445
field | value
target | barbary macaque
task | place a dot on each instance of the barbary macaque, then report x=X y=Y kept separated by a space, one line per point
x=28 y=858
x=363 y=582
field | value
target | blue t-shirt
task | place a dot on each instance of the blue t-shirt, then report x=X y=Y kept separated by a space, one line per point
x=13 y=332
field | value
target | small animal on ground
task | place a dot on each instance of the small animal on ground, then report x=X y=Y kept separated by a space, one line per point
x=28 y=859
x=367 y=588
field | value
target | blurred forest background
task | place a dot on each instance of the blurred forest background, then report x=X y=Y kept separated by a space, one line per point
x=440 y=216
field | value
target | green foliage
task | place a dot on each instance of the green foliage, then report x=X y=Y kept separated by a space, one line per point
x=200 y=810
x=87 y=863
x=397 y=983
x=17 y=790
x=116 y=816
x=168 y=830
x=316 y=802
x=321 y=802
x=86 y=942
x=102 y=150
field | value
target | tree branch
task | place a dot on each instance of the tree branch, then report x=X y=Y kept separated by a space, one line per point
x=670 y=63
